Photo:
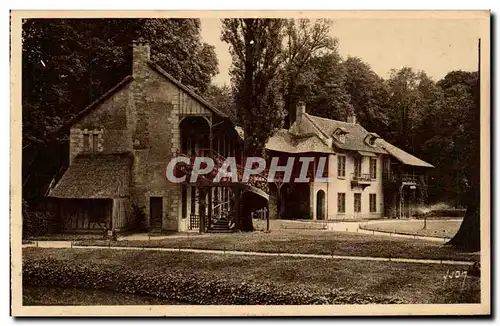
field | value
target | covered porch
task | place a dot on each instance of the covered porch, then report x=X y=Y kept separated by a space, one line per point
x=93 y=194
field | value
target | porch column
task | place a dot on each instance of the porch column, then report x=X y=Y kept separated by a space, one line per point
x=237 y=208
x=210 y=206
x=202 y=206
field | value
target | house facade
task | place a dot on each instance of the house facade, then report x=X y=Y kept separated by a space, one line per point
x=365 y=178
x=120 y=146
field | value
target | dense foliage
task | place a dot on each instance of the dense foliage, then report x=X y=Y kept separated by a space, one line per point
x=68 y=63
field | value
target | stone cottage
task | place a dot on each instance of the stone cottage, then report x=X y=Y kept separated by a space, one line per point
x=120 y=146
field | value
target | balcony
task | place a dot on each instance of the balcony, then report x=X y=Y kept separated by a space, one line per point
x=360 y=179
x=409 y=179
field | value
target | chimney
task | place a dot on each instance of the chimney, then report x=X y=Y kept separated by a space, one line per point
x=300 y=110
x=140 y=56
x=351 y=118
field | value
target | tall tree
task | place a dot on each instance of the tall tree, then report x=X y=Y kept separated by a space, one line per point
x=67 y=63
x=222 y=97
x=256 y=50
x=303 y=40
x=468 y=235
x=368 y=93
x=323 y=87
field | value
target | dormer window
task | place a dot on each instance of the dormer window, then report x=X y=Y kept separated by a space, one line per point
x=371 y=138
x=340 y=134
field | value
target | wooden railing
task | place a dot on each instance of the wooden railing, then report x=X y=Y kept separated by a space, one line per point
x=364 y=177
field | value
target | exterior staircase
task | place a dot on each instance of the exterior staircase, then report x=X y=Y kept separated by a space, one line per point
x=221 y=225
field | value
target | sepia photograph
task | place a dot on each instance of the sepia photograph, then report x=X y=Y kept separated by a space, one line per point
x=209 y=163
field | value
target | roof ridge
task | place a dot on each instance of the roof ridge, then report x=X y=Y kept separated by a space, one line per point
x=318 y=128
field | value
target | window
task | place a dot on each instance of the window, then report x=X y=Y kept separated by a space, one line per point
x=341 y=166
x=90 y=142
x=86 y=142
x=342 y=138
x=357 y=203
x=373 y=168
x=373 y=203
x=95 y=139
x=357 y=166
x=341 y=202
x=386 y=167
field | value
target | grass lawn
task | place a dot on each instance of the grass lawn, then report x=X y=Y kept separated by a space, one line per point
x=411 y=283
x=49 y=296
x=434 y=228
x=306 y=241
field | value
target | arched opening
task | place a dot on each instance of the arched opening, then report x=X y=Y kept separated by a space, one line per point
x=320 y=205
x=195 y=135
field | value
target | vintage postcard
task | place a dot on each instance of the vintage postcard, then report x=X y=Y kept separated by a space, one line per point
x=212 y=163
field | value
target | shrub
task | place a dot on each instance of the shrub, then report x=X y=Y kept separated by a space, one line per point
x=179 y=286
x=37 y=222
x=139 y=219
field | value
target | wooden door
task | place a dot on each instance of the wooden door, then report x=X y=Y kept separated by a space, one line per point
x=155 y=212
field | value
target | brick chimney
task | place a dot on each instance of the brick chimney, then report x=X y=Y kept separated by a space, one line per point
x=140 y=57
x=351 y=118
x=300 y=110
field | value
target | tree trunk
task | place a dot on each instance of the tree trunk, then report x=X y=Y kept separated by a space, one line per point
x=468 y=236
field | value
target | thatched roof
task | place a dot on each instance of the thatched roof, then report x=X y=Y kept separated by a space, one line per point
x=96 y=176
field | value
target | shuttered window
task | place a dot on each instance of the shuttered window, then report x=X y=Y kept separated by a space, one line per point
x=341 y=202
x=373 y=203
x=341 y=166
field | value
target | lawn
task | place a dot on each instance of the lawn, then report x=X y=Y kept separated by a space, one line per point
x=339 y=281
x=434 y=228
x=52 y=296
x=306 y=241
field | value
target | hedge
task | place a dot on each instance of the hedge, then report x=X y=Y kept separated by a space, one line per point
x=181 y=286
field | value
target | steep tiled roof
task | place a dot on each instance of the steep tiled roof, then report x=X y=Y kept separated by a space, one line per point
x=285 y=141
x=95 y=176
x=354 y=139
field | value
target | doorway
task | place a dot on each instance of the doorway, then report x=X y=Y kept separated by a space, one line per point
x=155 y=212
x=320 y=205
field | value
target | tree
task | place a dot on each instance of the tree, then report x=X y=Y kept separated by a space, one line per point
x=325 y=89
x=468 y=235
x=303 y=40
x=222 y=98
x=67 y=63
x=256 y=50
x=368 y=93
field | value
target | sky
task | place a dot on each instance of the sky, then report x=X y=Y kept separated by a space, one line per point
x=436 y=46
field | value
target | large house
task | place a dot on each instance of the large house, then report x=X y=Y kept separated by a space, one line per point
x=121 y=144
x=367 y=176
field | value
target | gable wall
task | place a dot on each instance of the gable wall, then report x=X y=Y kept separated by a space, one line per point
x=109 y=122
